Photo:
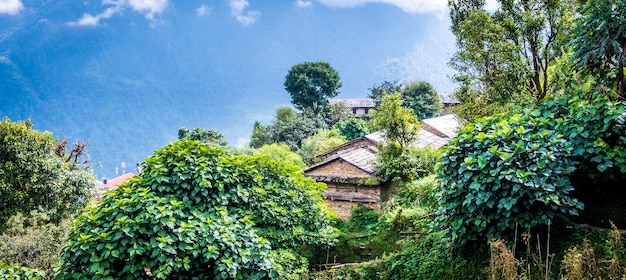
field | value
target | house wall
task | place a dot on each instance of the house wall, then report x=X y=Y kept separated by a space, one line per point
x=338 y=168
x=344 y=208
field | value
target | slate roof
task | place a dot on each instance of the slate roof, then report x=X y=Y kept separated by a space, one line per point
x=444 y=126
x=448 y=98
x=354 y=102
x=361 y=158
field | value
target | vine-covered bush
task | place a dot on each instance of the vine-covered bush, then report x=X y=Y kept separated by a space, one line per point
x=195 y=212
x=21 y=273
x=514 y=169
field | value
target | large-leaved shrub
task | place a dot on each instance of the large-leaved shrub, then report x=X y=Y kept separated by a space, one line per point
x=196 y=212
x=513 y=170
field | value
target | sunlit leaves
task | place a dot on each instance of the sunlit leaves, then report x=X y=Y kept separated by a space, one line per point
x=196 y=212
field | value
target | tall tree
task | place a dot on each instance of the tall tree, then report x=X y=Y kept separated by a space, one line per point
x=505 y=55
x=310 y=84
x=422 y=98
x=260 y=135
x=599 y=42
x=399 y=123
x=38 y=173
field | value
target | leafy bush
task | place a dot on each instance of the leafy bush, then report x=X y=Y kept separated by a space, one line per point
x=20 y=273
x=353 y=128
x=35 y=246
x=514 y=169
x=195 y=212
x=398 y=164
x=428 y=257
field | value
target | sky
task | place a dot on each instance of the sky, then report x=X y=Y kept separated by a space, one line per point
x=132 y=72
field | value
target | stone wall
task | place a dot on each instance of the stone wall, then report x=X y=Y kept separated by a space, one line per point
x=344 y=208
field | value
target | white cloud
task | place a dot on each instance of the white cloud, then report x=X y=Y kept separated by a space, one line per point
x=5 y=60
x=238 y=10
x=147 y=7
x=409 y=6
x=91 y=20
x=203 y=10
x=11 y=7
x=303 y=4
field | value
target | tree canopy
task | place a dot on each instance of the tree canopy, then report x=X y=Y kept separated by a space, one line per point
x=197 y=212
x=208 y=136
x=503 y=57
x=599 y=42
x=422 y=98
x=310 y=84
x=38 y=173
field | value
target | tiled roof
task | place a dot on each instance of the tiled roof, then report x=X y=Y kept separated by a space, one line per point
x=354 y=102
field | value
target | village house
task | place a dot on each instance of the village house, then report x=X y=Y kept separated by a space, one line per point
x=359 y=106
x=112 y=184
x=348 y=169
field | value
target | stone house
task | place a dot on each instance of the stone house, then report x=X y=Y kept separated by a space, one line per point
x=348 y=169
x=359 y=106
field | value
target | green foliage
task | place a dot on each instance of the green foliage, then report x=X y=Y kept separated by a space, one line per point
x=398 y=122
x=428 y=257
x=196 y=212
x=208 y=136
x=37 y=245
x=397 y=164
x=515 y=169
x=503 y=57
x=599 y=42
x=422 y=98
x=310 y=84
x=260 y=135
x=323 y=140
x=35 y=174
x=353 y=128
x=282 y=153
x=21 y=273
x=290 y=127
x=377 y=91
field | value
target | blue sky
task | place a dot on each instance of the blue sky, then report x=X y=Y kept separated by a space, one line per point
x=137 y=70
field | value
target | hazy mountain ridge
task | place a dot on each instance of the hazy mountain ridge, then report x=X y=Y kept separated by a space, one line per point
x=130 y=83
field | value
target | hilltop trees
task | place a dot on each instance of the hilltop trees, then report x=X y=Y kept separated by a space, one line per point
x=196 y=212
x=310 y=84
x=37 y=172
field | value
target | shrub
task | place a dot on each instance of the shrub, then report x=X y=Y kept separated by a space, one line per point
x=195 y=212
x=35 y=246
x=514 y=169
x=21 y=273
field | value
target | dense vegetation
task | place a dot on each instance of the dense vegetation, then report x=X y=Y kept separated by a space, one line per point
x=531 y=188
x=198 y=212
